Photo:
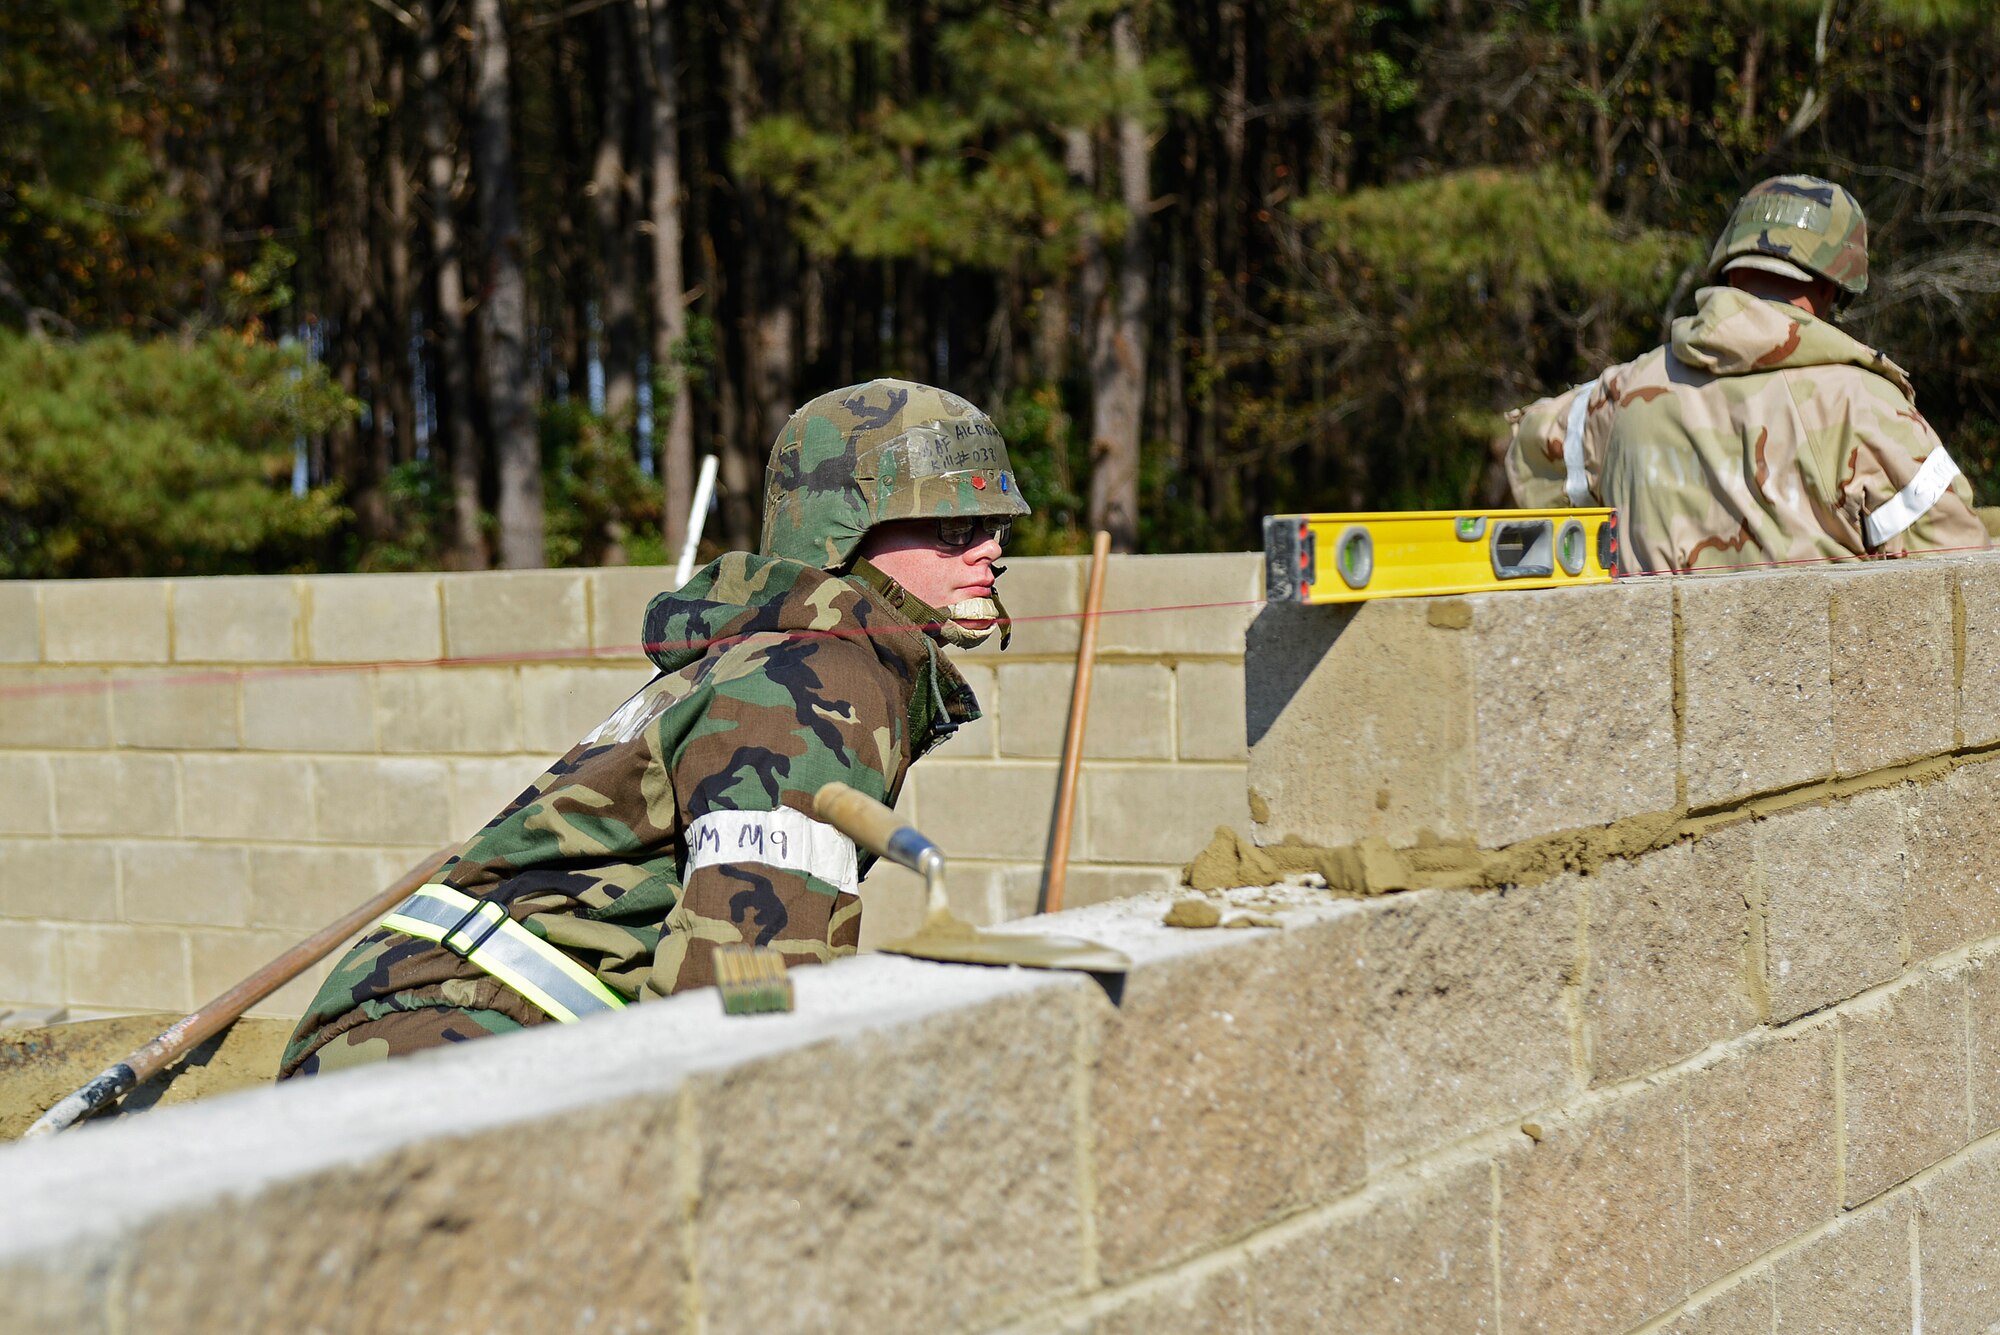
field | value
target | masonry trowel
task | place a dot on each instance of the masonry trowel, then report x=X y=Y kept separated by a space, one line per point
x=943 y=935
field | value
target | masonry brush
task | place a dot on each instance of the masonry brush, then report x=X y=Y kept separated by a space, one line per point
x=943 y=935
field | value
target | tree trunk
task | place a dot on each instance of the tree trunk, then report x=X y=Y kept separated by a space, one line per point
x=1118 y=354
x=454 y=387
x=510 y=385
x=673 y=415
x=610 y=175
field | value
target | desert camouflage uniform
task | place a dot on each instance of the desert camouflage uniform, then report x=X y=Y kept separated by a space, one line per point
x=776 y=676
x=1757 y=434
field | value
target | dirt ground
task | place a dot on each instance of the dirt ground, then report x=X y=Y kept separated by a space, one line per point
x=40 y=1066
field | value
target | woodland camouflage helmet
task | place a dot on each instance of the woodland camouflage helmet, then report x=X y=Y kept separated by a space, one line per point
x=1799 y=226
x=875 y=453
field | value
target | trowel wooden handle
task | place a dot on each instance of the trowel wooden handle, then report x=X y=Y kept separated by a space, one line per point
x=872 y=825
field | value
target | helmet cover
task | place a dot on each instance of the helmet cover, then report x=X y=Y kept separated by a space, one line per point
x=1793 y=223
x=876 y=453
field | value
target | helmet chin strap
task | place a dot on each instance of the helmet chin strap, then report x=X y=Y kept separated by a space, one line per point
x=953 y=630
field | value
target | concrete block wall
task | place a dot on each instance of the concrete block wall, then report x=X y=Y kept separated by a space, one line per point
x=200 y=771
x=1733 y=1073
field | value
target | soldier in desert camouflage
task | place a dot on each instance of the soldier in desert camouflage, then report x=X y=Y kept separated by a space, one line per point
x=1761 y=432
x=683 y=822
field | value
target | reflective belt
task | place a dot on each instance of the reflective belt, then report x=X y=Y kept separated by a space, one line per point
x=1907 y=506
x=505 y=949
x=1576 y=480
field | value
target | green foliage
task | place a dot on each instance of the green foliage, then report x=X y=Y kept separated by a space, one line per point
x=596 y=496
x=85 y=227
x=1438 y=303
x=162 y=457
x=1048 y=455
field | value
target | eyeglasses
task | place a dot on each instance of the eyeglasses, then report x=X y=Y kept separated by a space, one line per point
x=969 y=531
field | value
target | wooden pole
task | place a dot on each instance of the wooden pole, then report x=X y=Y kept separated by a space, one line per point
x=192 y=1031
x=1079 y=712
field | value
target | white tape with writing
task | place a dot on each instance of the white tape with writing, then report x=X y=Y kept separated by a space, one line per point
x=1907 y=506
x=782 y=838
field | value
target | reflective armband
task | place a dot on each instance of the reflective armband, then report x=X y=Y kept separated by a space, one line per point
x=1576 y=485
x=481 y=932
x=1907 y=506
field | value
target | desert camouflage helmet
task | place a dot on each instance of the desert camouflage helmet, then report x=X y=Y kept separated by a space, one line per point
x=1798 y=226
x=871 y=454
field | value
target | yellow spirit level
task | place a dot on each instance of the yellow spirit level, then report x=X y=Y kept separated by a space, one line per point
x=1352 y=558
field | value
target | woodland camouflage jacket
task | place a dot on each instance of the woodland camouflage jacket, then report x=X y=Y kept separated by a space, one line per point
x=683 y=820
x=1757 y=434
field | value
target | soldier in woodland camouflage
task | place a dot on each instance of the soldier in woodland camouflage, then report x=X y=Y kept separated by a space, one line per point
x=1760 y=433
x=683 y=822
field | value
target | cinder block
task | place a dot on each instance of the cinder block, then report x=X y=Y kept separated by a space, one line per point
x=892 y=904
x=29 y=804
x=975 y=739
x=481 y=789
x=1756 y=667
x=1125 y=806
x=1667 y=971
x=560 y=706
x=105 y=621
x=20 y=622
x=175 y=709
x=1208 y=699
x=619 y=596
x=1854 y=1278
x=1593 y=1218
x=984 y=808
x=1762 y=1167
x=449 y=709
x=298 y=889
x=254 y=798
x=372 y=618
x=1904 y=1081
x=1196 y=603
x=67 y=1296
x=58 y=878
x=1894 y=698
x=128 y=968
x=1958 y=1231
x=970 y=1166
x=1983 y=1032
x=1131 y=710
x=1747 y=1307
x=1226 y=1095
x=116 y=794
x=506 y=614
x=55 y=708
x=1978 y=581
x=1044 y=599
x=1830 y=879
x=31 y=962
x=219 y=960
x=238 y=619
x=1952 y=884
x=1360 y=723
x=310 y=711
x=1574 y=714
x=342 y=1238
x=1215 y=1300
x=194 y=884
x=383 y=801
x=1467 y=1020
x=1417 y=1258
x=1379 y=721
x=1096 y=885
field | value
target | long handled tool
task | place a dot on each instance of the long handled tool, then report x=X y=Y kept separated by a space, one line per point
x=191 y=1031
x=943 y=935
x=1057 y=876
